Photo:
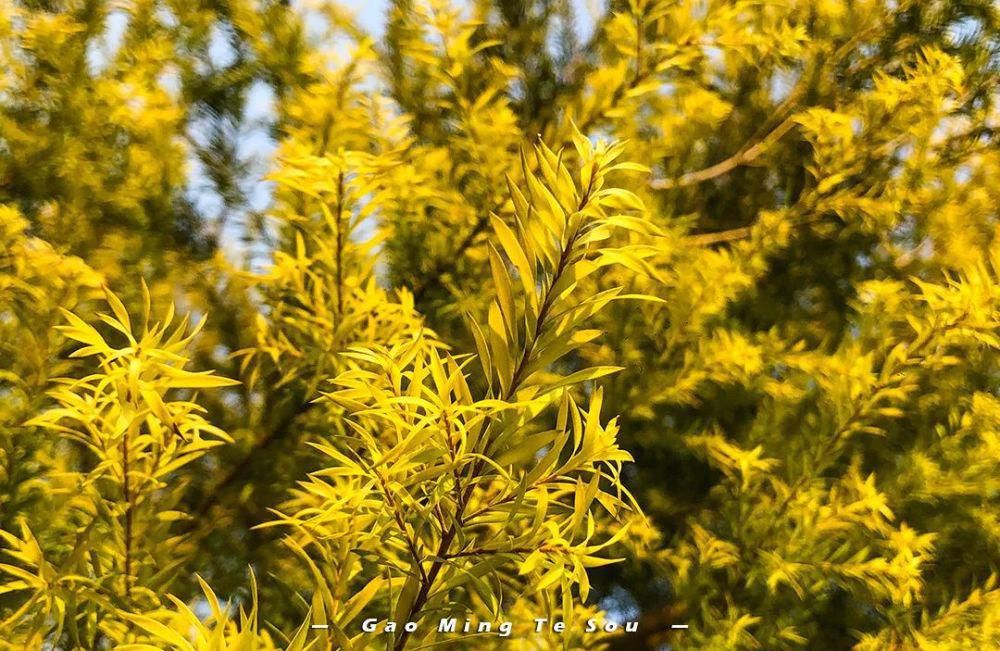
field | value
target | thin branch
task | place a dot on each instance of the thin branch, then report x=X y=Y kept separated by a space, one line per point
x=449 y=535
x=277 y=433
x=749 y=153
x=449 y=263
x=742 y=157
x=127 y=495
x=340 y=244
x=720 y=237
x=495 y=552
x=858 y=412
x=797 y=210
x=398 y=517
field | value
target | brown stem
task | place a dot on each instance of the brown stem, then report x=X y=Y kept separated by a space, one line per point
x=548 y=299
x=340 y=243
x=746 y=155
x=720 y=237
x=450 y=263
x=236 y=473
x=410 y=544
x=750 y=152
x=425 y=585
x=638 y=49
x=543 y=313
x=493 y=552
x=448 y=537
x=127 y=495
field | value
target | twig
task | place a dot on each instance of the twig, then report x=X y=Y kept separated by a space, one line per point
x=750 y=152
x=448 y=537
x=731 y=235
x=127 y=495
x=340 y=244
x=742 y=157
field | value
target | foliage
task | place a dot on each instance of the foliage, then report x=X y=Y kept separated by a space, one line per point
x=686 y=313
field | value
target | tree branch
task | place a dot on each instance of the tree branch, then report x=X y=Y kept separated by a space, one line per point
x=449 y=263
x=746 y=155
x=277 y=433
x=449 y=535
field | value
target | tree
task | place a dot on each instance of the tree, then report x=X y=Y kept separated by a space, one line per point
x=689 y=315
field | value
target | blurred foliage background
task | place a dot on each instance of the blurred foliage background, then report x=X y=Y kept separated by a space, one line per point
x=810 y=404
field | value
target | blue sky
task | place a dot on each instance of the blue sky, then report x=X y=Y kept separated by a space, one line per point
x=256 y=145
x=370 y=13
